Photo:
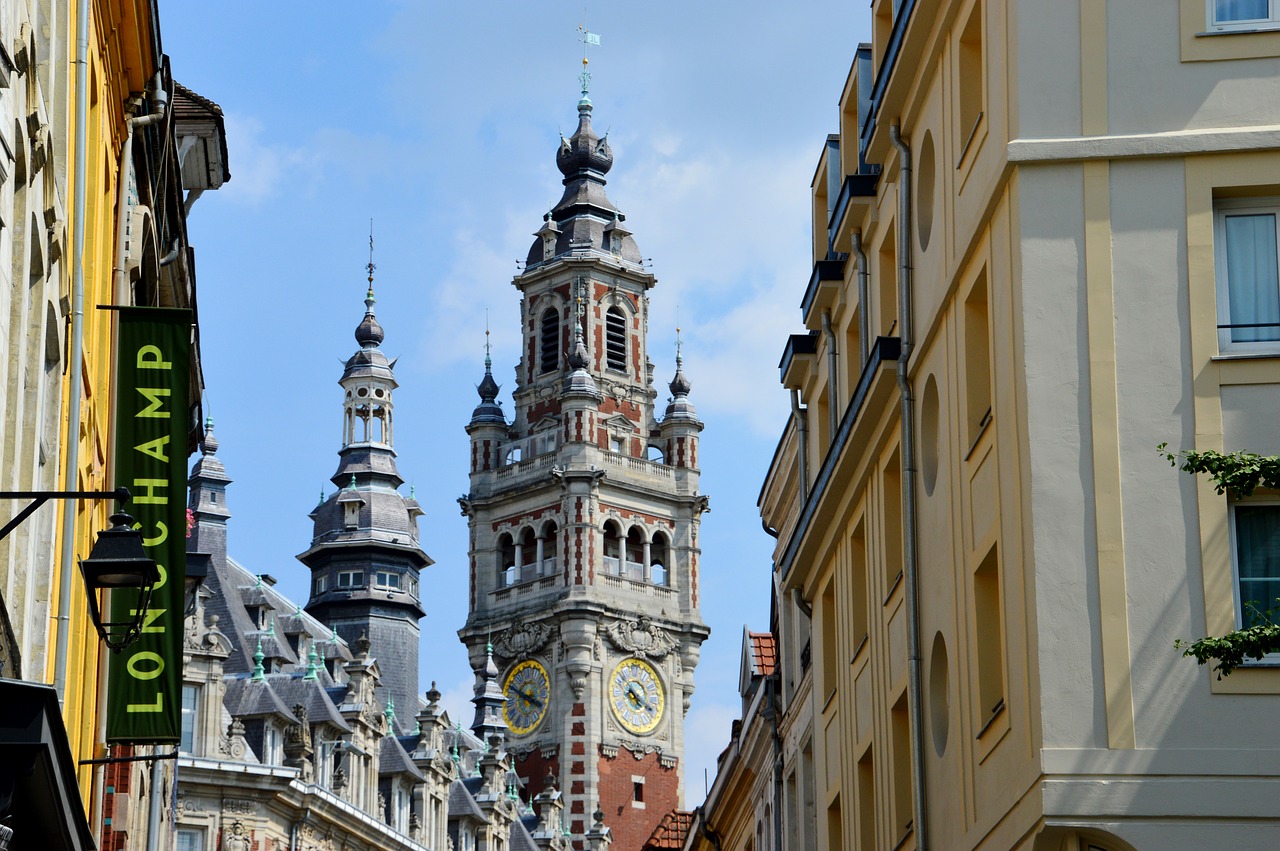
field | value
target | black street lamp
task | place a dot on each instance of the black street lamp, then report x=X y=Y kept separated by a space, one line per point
x=118 y=561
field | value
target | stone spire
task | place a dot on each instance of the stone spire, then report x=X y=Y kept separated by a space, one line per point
x=489 y=700
x=679 y=407
x=489 y=411
x=579 y=383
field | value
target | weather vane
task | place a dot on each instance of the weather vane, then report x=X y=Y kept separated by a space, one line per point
x=587 y=38
x=371 y=267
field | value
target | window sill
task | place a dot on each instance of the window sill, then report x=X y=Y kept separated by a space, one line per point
x=1245 y=355
x=1270 y=26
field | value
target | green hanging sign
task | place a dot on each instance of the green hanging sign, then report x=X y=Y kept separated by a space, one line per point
x=144 y=684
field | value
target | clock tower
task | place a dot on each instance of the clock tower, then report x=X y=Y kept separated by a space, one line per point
x=584 y=511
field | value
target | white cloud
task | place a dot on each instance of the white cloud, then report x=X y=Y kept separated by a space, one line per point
x=456 y=700
x=260 y=167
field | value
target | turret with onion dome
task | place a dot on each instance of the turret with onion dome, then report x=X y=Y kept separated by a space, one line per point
x=680 y=424
x=488 y=426
x=584 y=219
x=364 y=555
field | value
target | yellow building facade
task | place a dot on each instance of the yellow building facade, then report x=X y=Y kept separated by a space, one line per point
x=93 y=214
x=1044 y=243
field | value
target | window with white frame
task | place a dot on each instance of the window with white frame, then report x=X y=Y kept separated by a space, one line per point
x=350 y=578
x=1225 y=15
x=188 y=839
x=1255 y=551
x=190 y=712
x=322 y=584
x=387 y=579
x=1246 y=248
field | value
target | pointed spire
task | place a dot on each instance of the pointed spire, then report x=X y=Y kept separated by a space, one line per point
x=579 y=382
x=259 y=673
x=489 y=700
x=679 y=407
x=313 y=666
x=369 y=333
x=391 y=713
x=209 y=446
x=489 y=410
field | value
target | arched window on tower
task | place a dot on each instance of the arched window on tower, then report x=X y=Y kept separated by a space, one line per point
x=549 y=546
x=660 y=559
x=634 y=567
x=528 y=555
x=615 y=335
x=507 y=572
x=549 y=341
x=612 y=549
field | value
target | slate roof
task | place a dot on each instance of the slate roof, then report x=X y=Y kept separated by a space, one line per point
x=393 y=759
x=461 y=802
x=670 y=832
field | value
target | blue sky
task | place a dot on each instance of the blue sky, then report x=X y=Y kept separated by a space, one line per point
x=440 y=122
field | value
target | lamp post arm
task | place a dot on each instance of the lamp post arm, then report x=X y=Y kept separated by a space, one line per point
x=39 y=498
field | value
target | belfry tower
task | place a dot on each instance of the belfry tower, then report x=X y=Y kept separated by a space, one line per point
x=364 y=556
x=584 y=515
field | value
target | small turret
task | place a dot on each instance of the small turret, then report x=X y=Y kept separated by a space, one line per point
x=680 y=424
x=488 y=426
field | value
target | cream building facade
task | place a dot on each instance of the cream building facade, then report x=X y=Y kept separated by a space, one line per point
x=1044 y=243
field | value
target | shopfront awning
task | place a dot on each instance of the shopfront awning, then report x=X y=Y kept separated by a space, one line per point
x=39 y=798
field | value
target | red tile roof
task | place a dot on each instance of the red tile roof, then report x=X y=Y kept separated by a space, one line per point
x=764 y=653
x=670 y=832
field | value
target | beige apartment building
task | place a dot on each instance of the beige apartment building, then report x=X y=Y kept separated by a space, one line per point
x=1045 y=241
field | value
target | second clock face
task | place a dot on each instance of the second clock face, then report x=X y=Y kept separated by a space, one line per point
x=528 y=692
x=635 y=693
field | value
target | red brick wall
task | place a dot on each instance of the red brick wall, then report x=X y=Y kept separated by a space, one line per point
x=632 y=825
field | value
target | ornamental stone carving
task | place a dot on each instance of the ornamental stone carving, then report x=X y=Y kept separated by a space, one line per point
x=641 y=637
x=522 y=639
x=639 y=750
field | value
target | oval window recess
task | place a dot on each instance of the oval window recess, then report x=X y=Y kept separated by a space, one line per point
x=939 y=694
x=929 y=436
x=925 y=179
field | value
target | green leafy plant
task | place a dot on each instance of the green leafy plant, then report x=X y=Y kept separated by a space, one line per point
x=1240 y=473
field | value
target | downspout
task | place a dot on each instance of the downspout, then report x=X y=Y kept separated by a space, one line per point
x=802 y=453
x=910 y=573
x=296 y=829
x=75 y=377
x=156 y=800
x=706 y=831
x=864 y=318
x=833 y=390
x=775 y=709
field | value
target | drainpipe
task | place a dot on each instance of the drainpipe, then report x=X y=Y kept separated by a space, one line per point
x=705 y=829
x=296 y=829
x=75 y=377
x=910 y=574
x=156 y=800
x=775 y=709
x=159 y=106
x=802 y=452
x=833 y=390
x=864 y=318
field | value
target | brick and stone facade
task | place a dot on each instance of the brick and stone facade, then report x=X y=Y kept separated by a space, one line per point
x=584 y=513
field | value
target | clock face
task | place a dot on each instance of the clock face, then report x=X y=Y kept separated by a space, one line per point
x=528 y=692
x=636 y=695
